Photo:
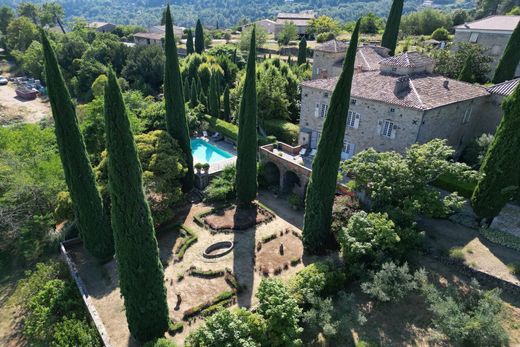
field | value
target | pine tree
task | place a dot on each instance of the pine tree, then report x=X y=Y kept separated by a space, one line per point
x=389 y=39
x=466 y=74
x=322 y=183
x=141 y=277
x=509 y=61
x=212 y=97
x=176 y=122
x=302 y=51
x=194 y=99
x=93 y=222
x=186 y=89
x=189 y=43
x=199 y=37
x=227 y=108
x=245 y=181
x=500 y=181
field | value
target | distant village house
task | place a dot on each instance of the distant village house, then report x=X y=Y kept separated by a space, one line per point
x=267 y=24
x=155 y=35
x=301 y=20
x=102 y=27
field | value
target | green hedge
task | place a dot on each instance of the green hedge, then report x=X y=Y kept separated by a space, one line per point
x=230 y=130
x=283 y=130
x=453 y=183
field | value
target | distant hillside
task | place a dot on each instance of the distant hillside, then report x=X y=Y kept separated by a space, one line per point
x=226 y=12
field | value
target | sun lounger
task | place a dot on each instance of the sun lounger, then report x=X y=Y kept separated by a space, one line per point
x=313 y=152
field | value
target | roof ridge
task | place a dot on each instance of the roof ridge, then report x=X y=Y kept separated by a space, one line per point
x=415 y=91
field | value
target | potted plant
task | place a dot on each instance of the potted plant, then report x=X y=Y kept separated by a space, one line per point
x=295 y=201
x=198 y=167
x=274 y=190
x=205 y=167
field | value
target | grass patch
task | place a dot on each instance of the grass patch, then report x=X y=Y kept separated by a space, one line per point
x=453 y=183
x=456 y=253
x=514 y=269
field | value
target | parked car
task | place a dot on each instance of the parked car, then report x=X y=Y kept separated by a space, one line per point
x=3 y=81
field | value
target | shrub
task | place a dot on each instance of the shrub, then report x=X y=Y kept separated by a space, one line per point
x=75 y=332
x=469 y=318
x=294 y=200
x=283 y=130
x=324 y=37
x=162 y=342
x=321 y=278
x=453 y=183
x=392 y=283
x=474 y=152
x=368 y=238
x=456 y=253
x=227 y=129
x=344 y=207
x=222 y=187
x=441 y=34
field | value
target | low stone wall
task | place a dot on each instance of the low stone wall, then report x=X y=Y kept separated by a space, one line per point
x=83 y=291
x=508 y=220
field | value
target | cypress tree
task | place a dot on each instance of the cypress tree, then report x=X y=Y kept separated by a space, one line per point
x=199 y=84
x=141 y=276
x=212 y=97
x=199 y=37
x=389 y=39
x=93 y=222
x=176 y=122
x=501 y=168
x=322 y=183
x=302 y=51
x=227 y=108
x=245 y=181
x=186 y=89
x=194 y=100
x=289 y=60
x=203 y=100
x=466 y=74
x=509 y=61
x=189 y=43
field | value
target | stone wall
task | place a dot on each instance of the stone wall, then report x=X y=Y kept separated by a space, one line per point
x=508 y=220
x=325 y=64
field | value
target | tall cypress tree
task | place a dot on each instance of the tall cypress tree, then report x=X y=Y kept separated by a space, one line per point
x=509 y=61
x=176 y=122
x=212 y=97
x=466 y=74
x=186 y=89
x=389 y=39
x=322 y=183
x=302 y=51
x=245 y=181
x=189 y=43
x=199 y=37
x=227 y=108
x=500 y=181
x=93 y=222
x=194 y=99
x=141 y=276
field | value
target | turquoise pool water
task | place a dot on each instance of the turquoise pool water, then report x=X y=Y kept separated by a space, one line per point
x=204 y=152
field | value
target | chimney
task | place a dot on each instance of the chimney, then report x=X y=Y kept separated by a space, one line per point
x=402 y=84
x=446 y=84
x=359 y=68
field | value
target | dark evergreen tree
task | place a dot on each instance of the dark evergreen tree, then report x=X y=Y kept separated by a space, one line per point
x=246 y=176
x=500 y=181
x=203 y=99
x=176 y=122
x=93 y=222
x=322 y=183
x=234 y=56
x=199 y=37
x=199 y=84
x=289 y=60
x=141 y=277
x=466 y=74
x=194 y=99
x=509 y=61
x=213 y=97
x=189 y=43
x=186 y=89
x=227 y=108
x=389 y=39
x=302 y=51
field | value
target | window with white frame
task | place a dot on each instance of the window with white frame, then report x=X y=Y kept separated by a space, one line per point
x=323 y=110
x=348 y=147
x=473 y=37
x=387 y=128
x=467 y=115
x=353 y=101
x=353 y=119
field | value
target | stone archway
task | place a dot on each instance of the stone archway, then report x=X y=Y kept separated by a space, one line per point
x=291 y=181
x=271 y=174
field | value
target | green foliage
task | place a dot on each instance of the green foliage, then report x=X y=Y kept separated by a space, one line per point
x=20 y=33
x=227 y=107
x=144 y=68
x=281 y=313
x=283 y=130
x=322 y=183
x=141 y=278
x=227 y=129
x=466 y=74
x=441 y=34
x=344 y=207
x=368 y=238
x=288 y=33
x=501 y=238
x=469 y=318
x=302 y=51
x=176 y=122
x=370 y=24
x=393 y=22
x=199 y=37
x=451 y=64
x=98 y=87
x=323 y=24
x=31 y=61
x=162 y=342
x=500 y=181
x=425 y=22
x=222 y=187
x=324 y=37
x=474 y=152
x=245 y=38
x=92 y=219
x=322 y=278
x=238 y=328
x=189 y=43
x=74 y=332
x=406 y=191
x=393 y=282
x=6 y=16
x=510 y=58
x=246 y=175
x=464 y=186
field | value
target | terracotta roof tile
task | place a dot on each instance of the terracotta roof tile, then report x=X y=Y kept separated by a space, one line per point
x=407 y=59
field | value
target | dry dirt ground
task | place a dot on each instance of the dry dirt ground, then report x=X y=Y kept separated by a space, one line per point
x=16 y=110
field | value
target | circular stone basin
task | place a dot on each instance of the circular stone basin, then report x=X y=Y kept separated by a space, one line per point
x=218 y=249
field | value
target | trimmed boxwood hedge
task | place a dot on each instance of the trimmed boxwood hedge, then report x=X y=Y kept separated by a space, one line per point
x=501 y=238
x=230 y=130
x=283 y=130
x=453 y=183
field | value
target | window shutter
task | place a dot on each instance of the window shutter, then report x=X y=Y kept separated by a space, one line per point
x=356 y=121
x=392 y=134
x=379 y=125
x=352 y=149
x=317 y=111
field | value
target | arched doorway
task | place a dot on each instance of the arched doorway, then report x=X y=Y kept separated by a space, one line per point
x=290 y=181
x=271 y=175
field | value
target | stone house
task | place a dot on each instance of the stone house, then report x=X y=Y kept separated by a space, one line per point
x=493 y=107
x=492 y=33
x=301 y=20
x=156 y=34
x=395 y=102
x=102 y=27
x=267 y=24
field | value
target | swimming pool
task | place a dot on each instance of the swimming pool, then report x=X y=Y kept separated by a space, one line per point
x=204 y=152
